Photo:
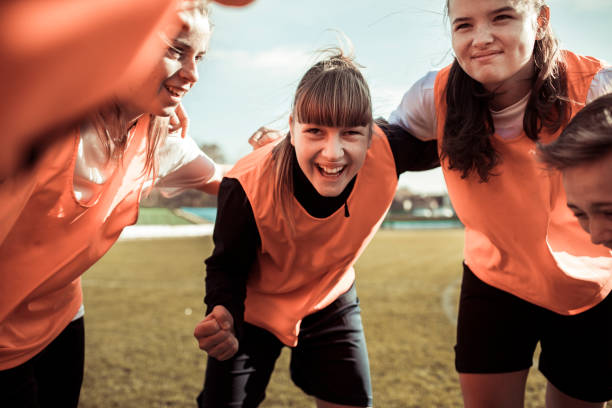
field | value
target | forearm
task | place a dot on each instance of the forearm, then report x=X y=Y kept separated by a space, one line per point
x=236 y=240
x=211 y=186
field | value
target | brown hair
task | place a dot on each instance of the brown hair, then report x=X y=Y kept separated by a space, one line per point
x=469 y=124
x=588 y=137
x=334 y=93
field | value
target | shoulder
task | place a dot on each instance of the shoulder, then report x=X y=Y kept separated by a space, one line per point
x=175 y=152
x=414 y=97
x=416 y=113
x=587 y=77
x=253 y=162
x=601 y=84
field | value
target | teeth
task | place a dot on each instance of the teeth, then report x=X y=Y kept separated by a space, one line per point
x=331 y=170
x=175 y=91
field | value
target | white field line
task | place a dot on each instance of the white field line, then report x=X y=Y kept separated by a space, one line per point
x=448 y=301
x=449 y=306
x=133 y=232
x=138 y=284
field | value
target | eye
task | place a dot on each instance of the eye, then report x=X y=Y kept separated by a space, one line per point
x=312 y=130
x=173 y=52
x=462 y=26
x=353 y=134
x=580 y=215
x=501 y=17
x=199 y=57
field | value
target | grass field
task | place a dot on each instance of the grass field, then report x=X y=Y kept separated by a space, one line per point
x=144 y=298
x=159 y=216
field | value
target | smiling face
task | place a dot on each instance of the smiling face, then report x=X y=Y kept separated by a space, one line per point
x=588 y=188
x=161 y=91
x=329 y=156
x=493 y=41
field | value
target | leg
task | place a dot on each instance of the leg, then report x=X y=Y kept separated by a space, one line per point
x=494 y=390
x=59 y=368
x=576 y=357
x=18 y=387
x=330 y=361
x=50 y=379
x=496 y=337
x=242 y=380
x=557 y=399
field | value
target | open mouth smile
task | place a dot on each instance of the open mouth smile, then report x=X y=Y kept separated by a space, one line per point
x=175 y=92
x=330 y=171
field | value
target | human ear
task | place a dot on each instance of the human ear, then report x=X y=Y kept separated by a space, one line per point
x=291 y=130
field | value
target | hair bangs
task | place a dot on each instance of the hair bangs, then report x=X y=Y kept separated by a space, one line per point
x=335 y=99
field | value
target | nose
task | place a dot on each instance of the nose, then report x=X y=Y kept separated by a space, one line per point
x=482 y=35
x=189 y=71
x=333 y=149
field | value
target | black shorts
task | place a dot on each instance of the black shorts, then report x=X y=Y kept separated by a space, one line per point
x=50 y=379
x=497 y=332
x=330 y=361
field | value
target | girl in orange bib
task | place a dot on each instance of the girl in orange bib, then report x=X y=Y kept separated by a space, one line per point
x=293 y=218
x=531 y=274
x=60 y=218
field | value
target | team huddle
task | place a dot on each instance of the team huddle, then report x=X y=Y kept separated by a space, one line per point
x=521 y=129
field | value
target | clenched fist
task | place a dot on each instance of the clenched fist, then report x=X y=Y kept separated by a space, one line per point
x=216 y=334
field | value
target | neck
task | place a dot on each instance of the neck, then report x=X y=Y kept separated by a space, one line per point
x=504 y=99
x=513 y=89
x=130 y=113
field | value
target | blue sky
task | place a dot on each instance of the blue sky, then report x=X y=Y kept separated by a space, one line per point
x=258 y=54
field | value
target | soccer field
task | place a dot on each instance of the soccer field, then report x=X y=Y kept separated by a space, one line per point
x=144 y=298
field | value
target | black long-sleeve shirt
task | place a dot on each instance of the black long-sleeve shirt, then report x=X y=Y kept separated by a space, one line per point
x=236 y=236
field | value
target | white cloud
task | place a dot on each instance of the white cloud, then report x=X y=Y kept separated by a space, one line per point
x=385 y=99
x=291 y=61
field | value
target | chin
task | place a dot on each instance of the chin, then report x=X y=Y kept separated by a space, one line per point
x=165 y=112
x=330 y=191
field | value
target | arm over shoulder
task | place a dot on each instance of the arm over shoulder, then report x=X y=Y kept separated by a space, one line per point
x=182 y=165
x=409 y=153
x=416 y=112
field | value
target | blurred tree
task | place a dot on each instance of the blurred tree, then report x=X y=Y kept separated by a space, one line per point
x=189 y=198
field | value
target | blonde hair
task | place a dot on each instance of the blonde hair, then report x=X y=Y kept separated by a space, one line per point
x=113 y=127
x=334 y=93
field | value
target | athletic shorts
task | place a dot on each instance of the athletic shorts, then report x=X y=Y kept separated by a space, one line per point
x=330 y=361
x=497 y=332
x=50 y=379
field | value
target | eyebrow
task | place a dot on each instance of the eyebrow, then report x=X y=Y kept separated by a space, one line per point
x=600 y=205
x=496 y=11
x=185 y=46
x=181 y=43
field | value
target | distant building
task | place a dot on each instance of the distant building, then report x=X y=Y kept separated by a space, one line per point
x=407 y=205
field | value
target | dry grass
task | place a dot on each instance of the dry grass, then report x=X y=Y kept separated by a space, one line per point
x=143 y=300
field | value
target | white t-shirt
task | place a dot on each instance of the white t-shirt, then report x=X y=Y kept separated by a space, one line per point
x=417 y=111
x=182 y=165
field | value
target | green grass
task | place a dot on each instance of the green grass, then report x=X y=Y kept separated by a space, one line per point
x=159 y=216
x=144 y=298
